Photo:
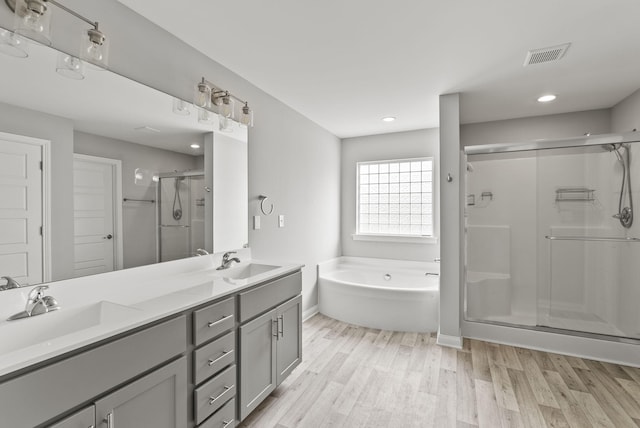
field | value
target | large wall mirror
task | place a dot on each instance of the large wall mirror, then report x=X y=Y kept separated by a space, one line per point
x=103 y=173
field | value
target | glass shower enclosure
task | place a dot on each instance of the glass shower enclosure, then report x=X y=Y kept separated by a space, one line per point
x=551 y=242
x=180 y=214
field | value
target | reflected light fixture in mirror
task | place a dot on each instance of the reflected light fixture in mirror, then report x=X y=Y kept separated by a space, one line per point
x=13 y=44
x=225 y=124
x=205 y=116
x=70 y=66
x=32 y=20
x=181 y=107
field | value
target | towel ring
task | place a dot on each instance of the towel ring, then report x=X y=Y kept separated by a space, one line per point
x=263 y=198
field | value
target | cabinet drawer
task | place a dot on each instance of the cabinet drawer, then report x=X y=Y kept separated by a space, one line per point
x=212 y=395
x=213 y=357
x=261 y=299
x=213 y=320
x=224 y=418
x=83 y=419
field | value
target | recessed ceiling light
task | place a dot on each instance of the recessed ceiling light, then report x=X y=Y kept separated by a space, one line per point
x=388 y=119
x=195 y=146
x=546 y=98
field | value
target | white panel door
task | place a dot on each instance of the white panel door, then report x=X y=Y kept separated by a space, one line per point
x=21 y=249
x=94 y=219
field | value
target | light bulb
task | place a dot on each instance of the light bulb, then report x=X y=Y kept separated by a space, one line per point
x=94 y=52
x=202 y=94
x=94 y=49
x=32 y=21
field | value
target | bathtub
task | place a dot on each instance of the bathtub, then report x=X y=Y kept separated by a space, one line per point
x=379 y=293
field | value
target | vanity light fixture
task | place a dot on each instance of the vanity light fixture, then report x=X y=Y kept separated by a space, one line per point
x=13 y=44
x=202 y=94
x=246 y=116
x=32 y=19
x=546 y=98
x=212 y=98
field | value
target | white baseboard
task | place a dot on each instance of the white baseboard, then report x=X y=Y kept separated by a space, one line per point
x=449 y=341
x=309 y=313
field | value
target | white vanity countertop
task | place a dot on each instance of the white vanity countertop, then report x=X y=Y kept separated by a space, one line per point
x=101 y=306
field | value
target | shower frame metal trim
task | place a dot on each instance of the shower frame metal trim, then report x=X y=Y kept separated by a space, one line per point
x=584 y=141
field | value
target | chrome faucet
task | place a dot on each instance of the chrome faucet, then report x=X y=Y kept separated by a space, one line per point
x=37 y=304
x=226 y=261
x=201 y=252
x=11 y=283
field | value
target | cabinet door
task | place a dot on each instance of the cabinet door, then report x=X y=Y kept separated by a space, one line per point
x=85 y=418
x=158 y=400
x=289 y=343
x=257 y=361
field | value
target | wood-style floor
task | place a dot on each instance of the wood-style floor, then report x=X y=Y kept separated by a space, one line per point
x=359 y=377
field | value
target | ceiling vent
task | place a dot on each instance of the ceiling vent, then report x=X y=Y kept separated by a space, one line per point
x=553 y=53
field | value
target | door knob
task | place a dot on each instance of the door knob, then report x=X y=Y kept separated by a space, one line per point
x=109 y=236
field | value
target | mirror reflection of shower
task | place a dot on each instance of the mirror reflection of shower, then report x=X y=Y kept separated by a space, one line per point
x=625 y=213
x=177 y=201
x=181 y=214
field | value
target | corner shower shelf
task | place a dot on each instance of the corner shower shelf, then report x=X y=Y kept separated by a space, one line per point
x=575 y=194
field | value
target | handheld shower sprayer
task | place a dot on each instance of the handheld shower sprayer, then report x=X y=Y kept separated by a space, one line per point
x=625 y=213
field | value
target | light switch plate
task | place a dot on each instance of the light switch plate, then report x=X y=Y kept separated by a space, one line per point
x=256 y=222
x=281 y=220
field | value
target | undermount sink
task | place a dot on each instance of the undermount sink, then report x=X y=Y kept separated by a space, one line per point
x=41 y=329
x=247 y=271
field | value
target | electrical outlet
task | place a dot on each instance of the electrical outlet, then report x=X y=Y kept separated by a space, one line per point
x=281 y=220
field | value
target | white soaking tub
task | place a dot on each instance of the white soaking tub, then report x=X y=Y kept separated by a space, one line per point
x=380 y=293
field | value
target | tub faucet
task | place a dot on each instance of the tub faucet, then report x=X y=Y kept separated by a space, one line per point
x=226 y=261
x=11 y=283
x=37 y=304
x=201 y=252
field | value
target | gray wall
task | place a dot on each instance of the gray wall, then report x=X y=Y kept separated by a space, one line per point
x=291 y=159
x=59 y=131
x=625 y=116
x=138 y=219
x=399 y=145
x=537 y=127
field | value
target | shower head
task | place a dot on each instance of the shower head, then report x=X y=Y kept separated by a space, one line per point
x=613 y=148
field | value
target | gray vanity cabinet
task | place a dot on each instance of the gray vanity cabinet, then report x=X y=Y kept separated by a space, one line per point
x=157 y=400
x=85 y=418
x=289 y=340
x=270 y=348
x=257 y=361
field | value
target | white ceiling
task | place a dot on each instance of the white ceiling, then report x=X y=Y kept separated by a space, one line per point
x=347 y=64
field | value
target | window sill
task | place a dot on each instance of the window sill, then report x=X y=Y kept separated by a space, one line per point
x=395 y=238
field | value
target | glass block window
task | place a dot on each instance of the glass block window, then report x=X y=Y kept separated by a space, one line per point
x=395 y=197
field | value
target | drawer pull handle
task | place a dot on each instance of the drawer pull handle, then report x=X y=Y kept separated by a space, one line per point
x=281 y=325
x=109 y=420
x=274 y=326
x=213 y=399
x=224 y=354
x=211 y=324
x=227 y=423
